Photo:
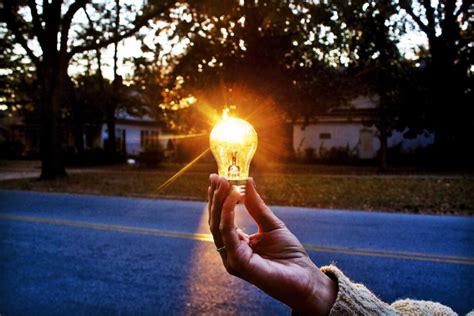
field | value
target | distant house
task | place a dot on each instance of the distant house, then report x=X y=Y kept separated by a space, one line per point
x=133 y=134
x=17 y=137
x=347 y=128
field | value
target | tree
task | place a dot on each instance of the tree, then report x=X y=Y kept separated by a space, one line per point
x=264 y=45
x=448 y=27
x=375 y=66
x=48 y=29
x=256 y=56
x=16 y=78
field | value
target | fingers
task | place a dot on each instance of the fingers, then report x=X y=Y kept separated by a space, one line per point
x=261 y=213
x=219 y=195
x=242 y=235
x=213 y=179
x=227 y=227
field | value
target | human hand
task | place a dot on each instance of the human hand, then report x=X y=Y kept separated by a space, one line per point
x=272 y=259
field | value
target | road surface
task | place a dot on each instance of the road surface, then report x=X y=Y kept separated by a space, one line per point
x=63 y=253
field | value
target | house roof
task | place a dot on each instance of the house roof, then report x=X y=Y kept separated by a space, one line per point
x=361 y=109
x=123 y=117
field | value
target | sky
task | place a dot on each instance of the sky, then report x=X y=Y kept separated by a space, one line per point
x=130 y=47
x=408 y=44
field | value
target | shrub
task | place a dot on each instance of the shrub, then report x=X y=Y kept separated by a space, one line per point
x=188 y=149
x=11 y=149
x=309 y=154
x=337 y=155
x=152 y=157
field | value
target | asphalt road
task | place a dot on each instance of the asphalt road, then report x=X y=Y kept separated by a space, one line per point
x=76 y=254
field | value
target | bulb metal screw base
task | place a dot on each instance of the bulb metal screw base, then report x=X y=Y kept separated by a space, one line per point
x=239 y=186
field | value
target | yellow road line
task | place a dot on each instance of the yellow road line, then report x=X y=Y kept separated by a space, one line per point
x=208 y=238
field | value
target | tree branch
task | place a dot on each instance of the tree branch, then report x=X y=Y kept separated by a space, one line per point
x=16 y=25
x=67 y=20
x=430 y=14
x=104 y=43
x=407 y=7
x=139 y=22
x=463 y=8
x=38 y=28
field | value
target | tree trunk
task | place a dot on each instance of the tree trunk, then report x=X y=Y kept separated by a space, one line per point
x=383 y=119
x=78 y=129
x=111 y=108
x=53 y=78
x=77 y=121
x=447 y=87
x=383 y=162
x=110 y=145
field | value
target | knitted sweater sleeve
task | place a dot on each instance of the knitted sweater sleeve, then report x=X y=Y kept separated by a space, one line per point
x=356 y=299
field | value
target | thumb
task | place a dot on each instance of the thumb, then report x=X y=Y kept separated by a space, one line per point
x=261 y=213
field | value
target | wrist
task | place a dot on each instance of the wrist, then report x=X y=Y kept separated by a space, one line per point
x=321 y=297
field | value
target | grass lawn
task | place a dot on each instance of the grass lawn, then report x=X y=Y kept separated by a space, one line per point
x=351 y=188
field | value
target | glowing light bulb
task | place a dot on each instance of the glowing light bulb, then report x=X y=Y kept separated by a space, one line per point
x=233 y=144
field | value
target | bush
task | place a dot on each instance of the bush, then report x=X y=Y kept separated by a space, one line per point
x=152 y=157
x=309 y=154
x=338 y=155
x=11 y=150
x=421 y=156
x=189 y=148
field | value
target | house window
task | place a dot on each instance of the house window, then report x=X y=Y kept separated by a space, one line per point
x=325 y=136
x=149 y=138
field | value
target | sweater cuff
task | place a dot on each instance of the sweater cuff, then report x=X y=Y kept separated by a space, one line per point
x=353 y=298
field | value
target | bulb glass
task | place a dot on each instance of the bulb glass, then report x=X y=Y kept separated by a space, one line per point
x=233 y=143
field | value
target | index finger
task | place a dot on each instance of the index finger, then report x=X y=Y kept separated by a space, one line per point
x=213 y=179
x=230 y=237
x=261 y=213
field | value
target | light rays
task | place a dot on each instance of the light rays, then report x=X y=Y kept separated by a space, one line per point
x=260 y=111
x=173 y=178
x=184 y=136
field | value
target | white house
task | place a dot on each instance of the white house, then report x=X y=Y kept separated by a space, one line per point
x=344 y=128
x=134 y=134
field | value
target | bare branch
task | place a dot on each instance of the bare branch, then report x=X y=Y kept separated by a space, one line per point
x=430 y=14
x=139 y=22
x=67 y=20
x=38 y=28
x=16 y=25
x=106 y=42
x=464 y=8
x=407 y=7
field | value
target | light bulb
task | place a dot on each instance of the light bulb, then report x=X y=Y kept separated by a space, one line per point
x=233 y=143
